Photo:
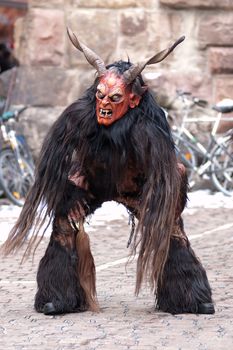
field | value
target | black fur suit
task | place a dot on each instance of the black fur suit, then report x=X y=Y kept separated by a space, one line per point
x=83 y=164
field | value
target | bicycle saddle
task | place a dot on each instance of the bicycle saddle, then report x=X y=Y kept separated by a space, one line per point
x=224 y=106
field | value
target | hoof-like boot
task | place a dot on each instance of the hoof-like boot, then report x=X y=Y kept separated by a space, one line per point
x=184 y=287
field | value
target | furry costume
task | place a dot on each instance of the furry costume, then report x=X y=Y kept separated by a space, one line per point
x=112 y=144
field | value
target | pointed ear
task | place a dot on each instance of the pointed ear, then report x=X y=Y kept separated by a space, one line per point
x=134 y=100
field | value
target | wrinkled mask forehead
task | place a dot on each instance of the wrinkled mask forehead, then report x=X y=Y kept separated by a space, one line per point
x=111 y=82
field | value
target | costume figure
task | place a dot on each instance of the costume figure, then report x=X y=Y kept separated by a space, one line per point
x=114 y=143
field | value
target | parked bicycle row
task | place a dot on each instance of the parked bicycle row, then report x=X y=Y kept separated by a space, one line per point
x=16 y=162
x=213 y=160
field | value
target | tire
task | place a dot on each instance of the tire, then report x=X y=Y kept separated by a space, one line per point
x=222 y=167
x=15 y=183
x=186 y=156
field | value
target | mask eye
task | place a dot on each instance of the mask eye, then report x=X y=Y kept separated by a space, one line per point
x=99 y=94
x=116 y=98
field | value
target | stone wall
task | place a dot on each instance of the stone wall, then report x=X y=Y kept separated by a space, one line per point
x=53 y=73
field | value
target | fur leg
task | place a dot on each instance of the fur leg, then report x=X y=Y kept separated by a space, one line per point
x=184 y=287
x=60 y=287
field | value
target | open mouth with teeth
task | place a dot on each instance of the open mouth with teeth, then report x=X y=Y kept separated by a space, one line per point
x=105 y=113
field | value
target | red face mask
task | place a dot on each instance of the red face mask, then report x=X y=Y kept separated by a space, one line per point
x=113 y=99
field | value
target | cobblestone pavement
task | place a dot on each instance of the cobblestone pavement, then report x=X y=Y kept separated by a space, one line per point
x=124 y=322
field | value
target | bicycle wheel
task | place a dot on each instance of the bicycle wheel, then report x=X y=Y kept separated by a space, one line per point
x=185 y=155
x=222 y=167
x=15 y=182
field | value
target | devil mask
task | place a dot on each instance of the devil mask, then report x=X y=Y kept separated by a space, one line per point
x=114 y=95
x=113 y=98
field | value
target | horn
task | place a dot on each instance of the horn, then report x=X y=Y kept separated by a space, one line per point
x=136 y=69
x=90 y=55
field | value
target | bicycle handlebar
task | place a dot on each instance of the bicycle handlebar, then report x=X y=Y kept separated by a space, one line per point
x=12 y=114
x=185 y=95
x=200 y=102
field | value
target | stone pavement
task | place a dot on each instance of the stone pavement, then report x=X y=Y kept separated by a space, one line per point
x=124 y=322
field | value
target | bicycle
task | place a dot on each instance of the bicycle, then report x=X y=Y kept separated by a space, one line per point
x=16 y=162
x=217 y=158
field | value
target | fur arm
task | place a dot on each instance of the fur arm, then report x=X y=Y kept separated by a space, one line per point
x=51 y=178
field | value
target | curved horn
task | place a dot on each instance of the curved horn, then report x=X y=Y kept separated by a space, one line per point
x=90 y=55
x=136 y=69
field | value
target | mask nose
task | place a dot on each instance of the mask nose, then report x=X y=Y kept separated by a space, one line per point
x=105 y=101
